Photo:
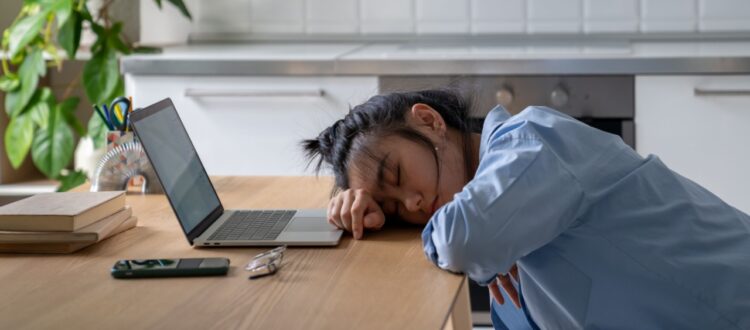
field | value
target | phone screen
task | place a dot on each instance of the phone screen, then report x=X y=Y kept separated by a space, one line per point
x=162 y=264
x=152 y=263
x=170 y=267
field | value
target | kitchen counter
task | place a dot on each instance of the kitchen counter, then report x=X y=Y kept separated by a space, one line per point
x=447 y=58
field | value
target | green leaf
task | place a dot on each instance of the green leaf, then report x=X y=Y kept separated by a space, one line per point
x=97 y=131
x=29 y=72
x=40 y=105
x=24 y=31
x=101 y=75
x=119 y=89
x=63 y=11
x=68 y=110
x=114 y=40
x=158 y=3
x=101 y=36
x=37 y=65
x=18 y=137
x=52 y=51
x=16 y=60
x=183 y=9
x=5 y=39
x=120 y=45
x=84 y=11
x=71 y=180
x=116 y=28
x=52 y=147
x=11 y=99
x=8 y=84
x=69 y=35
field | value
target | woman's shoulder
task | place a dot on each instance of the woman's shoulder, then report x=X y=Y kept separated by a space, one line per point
x=541 y=115
x=495 y=117
x=531 y=123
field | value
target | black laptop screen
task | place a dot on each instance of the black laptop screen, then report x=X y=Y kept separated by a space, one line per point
x=176 y=163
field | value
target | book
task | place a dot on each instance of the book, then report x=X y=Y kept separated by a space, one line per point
x=89 y=234
x=65 y=211
x=63 y=247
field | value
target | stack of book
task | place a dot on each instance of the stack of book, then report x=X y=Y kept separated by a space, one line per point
x=63 y=222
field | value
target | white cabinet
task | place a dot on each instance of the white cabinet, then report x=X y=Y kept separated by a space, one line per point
x=700 y=127
x=253 y=125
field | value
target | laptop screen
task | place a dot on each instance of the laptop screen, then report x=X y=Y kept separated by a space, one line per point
x=177 y=165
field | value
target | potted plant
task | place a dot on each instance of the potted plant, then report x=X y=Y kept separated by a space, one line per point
x=43 y=33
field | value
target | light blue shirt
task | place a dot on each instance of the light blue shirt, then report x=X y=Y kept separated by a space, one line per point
x=603 y=238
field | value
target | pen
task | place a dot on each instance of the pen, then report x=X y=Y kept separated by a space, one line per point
x=101 y=115
x=109 y=116
x=127 y=111
x=114 y=124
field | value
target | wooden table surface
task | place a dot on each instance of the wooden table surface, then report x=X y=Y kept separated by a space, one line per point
x=381 y=282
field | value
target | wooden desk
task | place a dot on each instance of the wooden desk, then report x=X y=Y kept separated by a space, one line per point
x=382 y=282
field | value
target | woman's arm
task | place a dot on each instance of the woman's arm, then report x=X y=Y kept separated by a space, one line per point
x=521 y=198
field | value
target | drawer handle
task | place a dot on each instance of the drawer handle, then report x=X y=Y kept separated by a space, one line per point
x=720 y=92
x=190 y=92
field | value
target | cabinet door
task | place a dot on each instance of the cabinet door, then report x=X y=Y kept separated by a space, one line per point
x=700 y=127
x=253 y=125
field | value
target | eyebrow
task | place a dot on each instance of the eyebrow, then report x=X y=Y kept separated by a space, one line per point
x=381 y=171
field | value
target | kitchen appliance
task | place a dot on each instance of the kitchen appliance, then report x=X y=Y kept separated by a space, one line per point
x=606 y=102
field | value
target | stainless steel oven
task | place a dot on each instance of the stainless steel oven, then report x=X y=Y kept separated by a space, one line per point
x=606 y=102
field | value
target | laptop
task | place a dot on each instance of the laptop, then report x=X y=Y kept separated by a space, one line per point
x=195 y=203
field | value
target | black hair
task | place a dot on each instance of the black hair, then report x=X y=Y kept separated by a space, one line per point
x=382 y=116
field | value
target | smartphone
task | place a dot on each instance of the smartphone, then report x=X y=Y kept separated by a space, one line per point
x=138 y=268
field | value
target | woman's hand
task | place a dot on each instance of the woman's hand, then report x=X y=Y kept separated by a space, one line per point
x=510 y=290
x=354 y=210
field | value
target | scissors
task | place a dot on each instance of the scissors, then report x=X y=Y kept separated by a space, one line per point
x=121 y=107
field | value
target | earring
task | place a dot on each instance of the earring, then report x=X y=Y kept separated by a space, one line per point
x=437 y=149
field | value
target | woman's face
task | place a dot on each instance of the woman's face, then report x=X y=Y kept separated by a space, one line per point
x=403 y=178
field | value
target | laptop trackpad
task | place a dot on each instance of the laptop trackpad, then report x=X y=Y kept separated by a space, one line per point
x=309 y=224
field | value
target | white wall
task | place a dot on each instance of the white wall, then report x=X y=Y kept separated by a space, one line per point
x=165 y=26
x=463 y=17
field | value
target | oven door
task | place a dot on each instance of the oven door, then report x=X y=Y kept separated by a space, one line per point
x=625 y=128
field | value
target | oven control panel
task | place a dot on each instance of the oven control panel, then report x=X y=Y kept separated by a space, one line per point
x=610 y=96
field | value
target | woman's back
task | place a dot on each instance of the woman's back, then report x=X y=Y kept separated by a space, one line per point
x=655 y=251
x=639 y=247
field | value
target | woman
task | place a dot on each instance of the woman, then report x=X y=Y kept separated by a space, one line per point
x=602 y=238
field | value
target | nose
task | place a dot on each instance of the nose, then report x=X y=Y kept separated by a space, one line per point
x=413 y=202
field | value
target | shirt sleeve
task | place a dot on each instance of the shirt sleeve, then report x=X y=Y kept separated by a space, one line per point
x=521 y=198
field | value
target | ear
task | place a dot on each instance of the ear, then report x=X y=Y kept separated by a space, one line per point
x=424 y=116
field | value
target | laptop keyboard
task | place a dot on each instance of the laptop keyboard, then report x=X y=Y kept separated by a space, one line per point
x=253 y=225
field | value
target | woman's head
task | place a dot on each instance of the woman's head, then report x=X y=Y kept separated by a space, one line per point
x=412 y=151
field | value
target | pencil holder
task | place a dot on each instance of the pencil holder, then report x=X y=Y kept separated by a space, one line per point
x=118 y=138
x=125 y=166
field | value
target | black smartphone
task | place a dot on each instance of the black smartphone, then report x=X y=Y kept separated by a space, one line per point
x=170 y=267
